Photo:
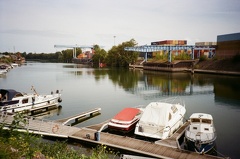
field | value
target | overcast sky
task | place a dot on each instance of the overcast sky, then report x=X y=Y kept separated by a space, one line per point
x=37 y=25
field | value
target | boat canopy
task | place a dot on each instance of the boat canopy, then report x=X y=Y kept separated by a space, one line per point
x=9 y=94
x=158 y=113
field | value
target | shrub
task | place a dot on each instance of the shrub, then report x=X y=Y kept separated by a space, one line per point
x=203 y=58
x=14 y=144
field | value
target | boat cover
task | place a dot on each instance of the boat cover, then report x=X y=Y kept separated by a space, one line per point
x=156 y=114
x=127 y=114
x=9 y=94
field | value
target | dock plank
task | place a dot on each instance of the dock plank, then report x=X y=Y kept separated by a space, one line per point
x=83 y=114
x=136 y=145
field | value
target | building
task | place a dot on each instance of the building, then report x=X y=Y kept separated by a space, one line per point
x=228 y=45
x=208 y=50
x=169 y=43
x=86 y=54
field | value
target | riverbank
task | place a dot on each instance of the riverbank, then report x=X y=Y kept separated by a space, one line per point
x=211 y=66
x=221 y=66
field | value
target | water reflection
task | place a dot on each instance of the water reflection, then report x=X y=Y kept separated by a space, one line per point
x=152 y=84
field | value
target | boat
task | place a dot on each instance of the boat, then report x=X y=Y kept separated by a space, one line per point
x=14 y=65
x=125 y=120
x=200 y=135
x=161 y=119
x=3 y=69
x=13 y=101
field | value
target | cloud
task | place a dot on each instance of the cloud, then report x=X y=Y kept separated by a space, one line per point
x=86 y=22
x=43 y=33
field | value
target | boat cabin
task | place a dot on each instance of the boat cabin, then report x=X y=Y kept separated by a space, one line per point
x=201 y=123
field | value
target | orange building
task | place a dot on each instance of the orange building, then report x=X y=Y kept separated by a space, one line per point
x=86 y=54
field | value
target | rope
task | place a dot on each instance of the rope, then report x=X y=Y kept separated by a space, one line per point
x=220 y=153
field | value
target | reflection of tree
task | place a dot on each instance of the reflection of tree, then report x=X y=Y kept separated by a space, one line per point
x=124 y=77
x=203 y=79
x=175 y=83
x=100 y=73
x=169 y=82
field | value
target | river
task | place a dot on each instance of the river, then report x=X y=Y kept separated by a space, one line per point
x=113 y=89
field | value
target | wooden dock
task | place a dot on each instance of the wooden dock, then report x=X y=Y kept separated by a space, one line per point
x=42 y=109
x=88 y=135
x=79 y=116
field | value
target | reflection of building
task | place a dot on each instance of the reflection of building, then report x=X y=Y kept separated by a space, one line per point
x=228 y=45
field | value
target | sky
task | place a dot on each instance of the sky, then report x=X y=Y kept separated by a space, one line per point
x=37 y=25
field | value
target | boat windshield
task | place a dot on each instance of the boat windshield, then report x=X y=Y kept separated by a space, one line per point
x=18 y=95
x=195 y=120
x=206 y=121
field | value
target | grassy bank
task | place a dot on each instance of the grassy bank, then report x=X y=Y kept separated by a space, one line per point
x=229 y=64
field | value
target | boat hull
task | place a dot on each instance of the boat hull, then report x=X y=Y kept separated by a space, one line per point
x=152 y=132
x=122 y=128
x=199 y=147
x=125 y=120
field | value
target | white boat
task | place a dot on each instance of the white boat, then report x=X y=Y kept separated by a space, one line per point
x=12 y=101
x=125 y=120
x=161 y=119
x=14 y=65
x=200 y=135
x=3 y=71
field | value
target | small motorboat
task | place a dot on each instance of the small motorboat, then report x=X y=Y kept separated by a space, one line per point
x=125 y=120
x=161 y=119
x=200 y=135
x=13 y=101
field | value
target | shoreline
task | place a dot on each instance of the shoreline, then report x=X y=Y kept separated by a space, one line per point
x=217 y=72
x=163 y=69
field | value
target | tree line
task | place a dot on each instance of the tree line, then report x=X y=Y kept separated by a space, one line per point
x=115 y=57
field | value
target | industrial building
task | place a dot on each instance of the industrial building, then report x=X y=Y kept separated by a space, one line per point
x=205 y=51
x=228 y=45
x=168 y=43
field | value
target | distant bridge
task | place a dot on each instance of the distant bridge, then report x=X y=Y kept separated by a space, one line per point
x=74 y=47
x=168 y=49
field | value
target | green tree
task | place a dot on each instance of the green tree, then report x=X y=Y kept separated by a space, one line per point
x=78 y=51
x=99 y=55
x=67 y=55
x=118 y=57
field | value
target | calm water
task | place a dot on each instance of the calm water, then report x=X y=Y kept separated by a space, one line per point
x=112 y=90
